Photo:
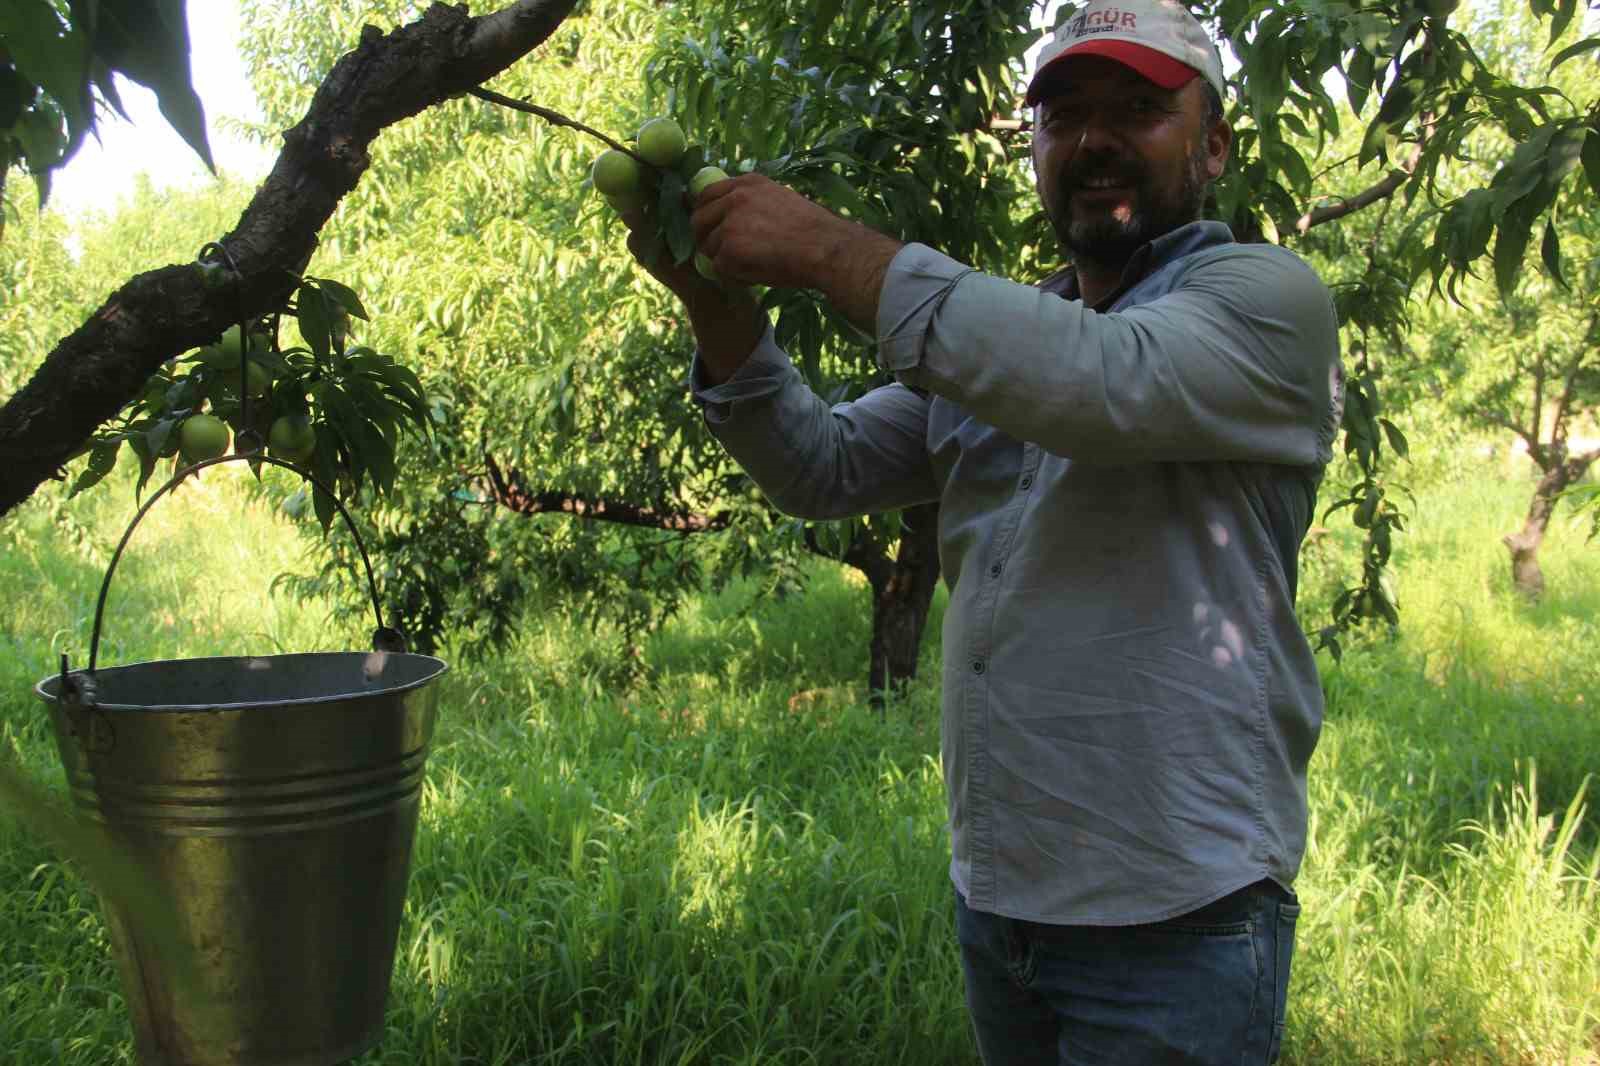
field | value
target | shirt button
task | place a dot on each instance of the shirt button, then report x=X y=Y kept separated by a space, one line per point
x=994 y=571
x=1027 y=483
x=977 y=666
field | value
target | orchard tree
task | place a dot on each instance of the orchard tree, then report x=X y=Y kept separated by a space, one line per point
x=106 y=365
x=1513 y=351
x=563 y=365
x=1539 y=382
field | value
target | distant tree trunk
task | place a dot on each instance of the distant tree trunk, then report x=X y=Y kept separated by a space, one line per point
x=1560 y=473
x=902 y=594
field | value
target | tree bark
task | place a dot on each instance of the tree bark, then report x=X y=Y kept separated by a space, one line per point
x=900 y=603
x=1526 y=574
x=508 y=489
x=102 y=366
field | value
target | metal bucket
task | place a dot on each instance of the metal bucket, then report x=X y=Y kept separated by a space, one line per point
x=274 y=800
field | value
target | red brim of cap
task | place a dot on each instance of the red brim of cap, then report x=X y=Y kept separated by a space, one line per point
x=1158 y=67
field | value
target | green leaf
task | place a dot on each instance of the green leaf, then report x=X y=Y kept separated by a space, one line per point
x=156 y=436
x=822 y=19
x=1563 y=18
x=1293 y=166
x=1550 y=251
x=693 y=159
x=102 y=459
x=1588 y=44
x=1565 y=153
x=344 y=296
x=1468 y=225
x=106 y=85
x=315 y=317
x=1374 y=143
x=841 y=194
x=148 y=41
x=1511 y=244
x=675 y=224
x=323 y=503
x=1358 y=78
x=376 y=452
x=1397 y=440
x=54 y=57
x=1591 y=159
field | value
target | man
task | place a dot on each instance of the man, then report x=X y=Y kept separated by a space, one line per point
x=1126 y=460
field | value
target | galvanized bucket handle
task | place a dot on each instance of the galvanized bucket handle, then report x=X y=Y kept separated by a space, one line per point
x=384 y=638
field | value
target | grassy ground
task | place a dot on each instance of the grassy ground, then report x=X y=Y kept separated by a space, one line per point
x=733 y=861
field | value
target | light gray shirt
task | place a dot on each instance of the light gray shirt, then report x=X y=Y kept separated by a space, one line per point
x=1129 y=702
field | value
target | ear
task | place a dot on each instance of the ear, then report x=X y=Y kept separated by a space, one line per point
x=1219 y=143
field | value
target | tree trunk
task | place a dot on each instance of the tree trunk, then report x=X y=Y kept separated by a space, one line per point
x=902 y=593
x=901 y=599
x=1526 y=575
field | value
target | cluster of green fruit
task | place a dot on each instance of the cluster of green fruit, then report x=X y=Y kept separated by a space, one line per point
x=291 y=437
x=630 y=187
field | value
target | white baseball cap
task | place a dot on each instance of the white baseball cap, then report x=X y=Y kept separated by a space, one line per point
x=1158 y=38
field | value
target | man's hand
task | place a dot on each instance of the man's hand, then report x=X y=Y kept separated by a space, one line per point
x=757 y=232
x=726 y=319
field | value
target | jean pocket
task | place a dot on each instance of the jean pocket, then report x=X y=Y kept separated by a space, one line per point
x=1288 y=915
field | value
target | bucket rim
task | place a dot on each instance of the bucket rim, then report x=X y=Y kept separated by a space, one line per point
x=439 y=669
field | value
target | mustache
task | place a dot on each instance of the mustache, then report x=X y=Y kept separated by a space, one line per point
x=1122 y=171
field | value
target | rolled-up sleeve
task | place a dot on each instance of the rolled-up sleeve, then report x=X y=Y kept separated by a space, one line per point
x=814 y=460
x=1237 y=362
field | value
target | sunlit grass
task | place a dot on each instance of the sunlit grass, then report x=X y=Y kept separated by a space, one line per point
x=730 y=859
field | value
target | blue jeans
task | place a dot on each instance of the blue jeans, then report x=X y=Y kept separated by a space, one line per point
x=1202 y=989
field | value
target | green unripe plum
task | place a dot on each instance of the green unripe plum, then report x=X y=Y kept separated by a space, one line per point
x=256 y=378
x=616 y=173
x=704 y=178
x=226 y=350
x=661 y=142
x=202 y=437
x=702 y=263
x=627 y=204
x=292 y=438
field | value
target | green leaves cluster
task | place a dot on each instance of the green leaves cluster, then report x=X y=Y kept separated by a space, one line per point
x=1375 y=512
x=56 y=65
x=359 y=401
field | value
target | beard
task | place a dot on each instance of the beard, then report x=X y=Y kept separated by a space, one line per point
x=1108 y=241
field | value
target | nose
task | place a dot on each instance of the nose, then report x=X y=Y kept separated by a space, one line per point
x=1099 y=128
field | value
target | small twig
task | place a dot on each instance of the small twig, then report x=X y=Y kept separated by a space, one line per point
x=555 y=118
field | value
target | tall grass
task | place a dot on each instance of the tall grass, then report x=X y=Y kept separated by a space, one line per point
x=729 y=859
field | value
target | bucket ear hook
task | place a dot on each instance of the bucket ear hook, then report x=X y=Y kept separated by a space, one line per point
x=90 y=726
x=388 y=638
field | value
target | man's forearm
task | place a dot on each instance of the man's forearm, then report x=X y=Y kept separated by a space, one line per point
x=852 y=273
x=727 y=324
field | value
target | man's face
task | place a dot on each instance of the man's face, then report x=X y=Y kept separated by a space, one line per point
x=1120 y=160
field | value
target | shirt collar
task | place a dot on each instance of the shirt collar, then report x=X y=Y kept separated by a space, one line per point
x=1174 y=244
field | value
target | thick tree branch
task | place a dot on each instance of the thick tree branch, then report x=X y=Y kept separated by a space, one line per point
x=93 y=373
x=509 y=490
x=1382 y=190
x=1390 y=184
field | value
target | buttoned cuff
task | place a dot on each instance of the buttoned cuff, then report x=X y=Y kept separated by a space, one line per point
x=762 y=374
x=918 y=282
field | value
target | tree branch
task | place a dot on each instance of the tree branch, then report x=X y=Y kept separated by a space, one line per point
x=95 y=371
x=510 y=491
x=1382 y=190
x=555 y=118
x=1569 y=383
